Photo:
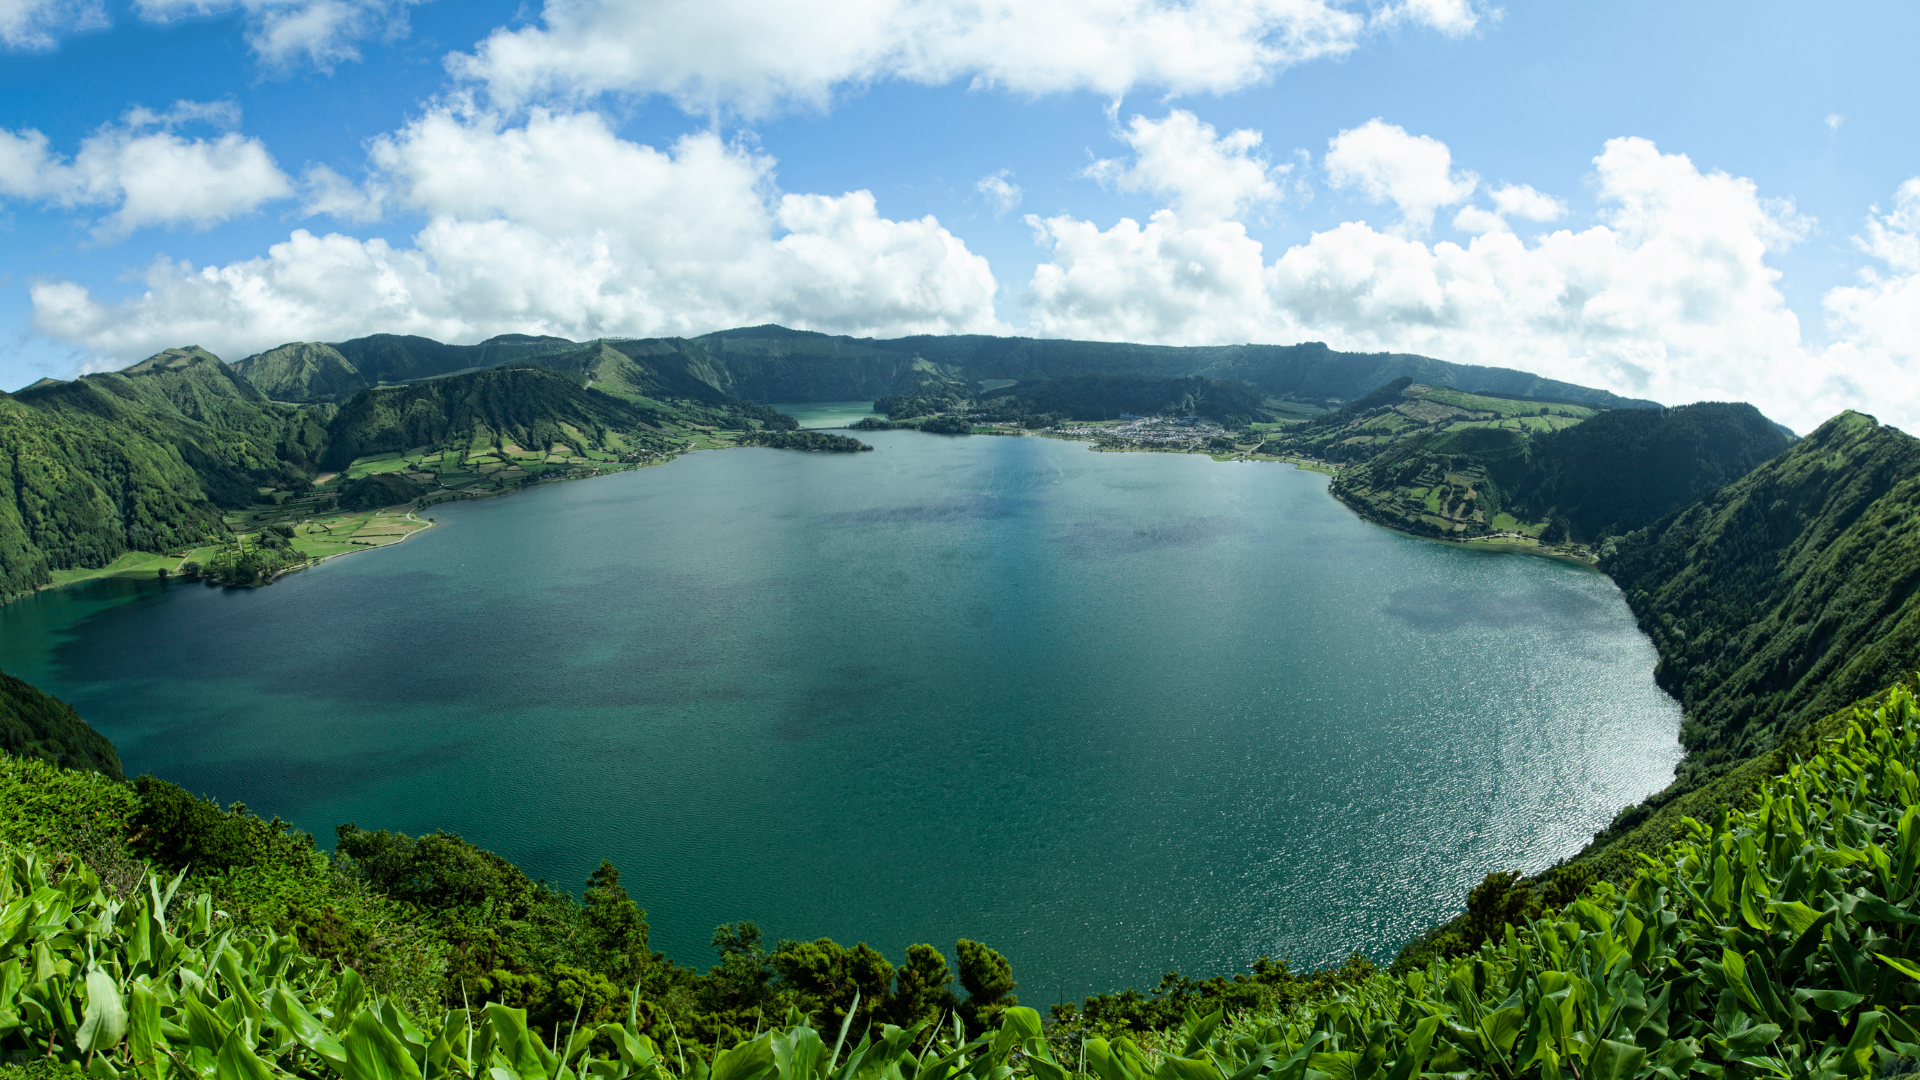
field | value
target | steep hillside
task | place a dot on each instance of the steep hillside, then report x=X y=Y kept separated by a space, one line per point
x=38 y=725
x=1309 y=372
x=1440 y=463
x=77 y=491
x=223 y=427
x=1108 y=397
x=303 y=372
x=1629 y=467
x=528 y=406
x=655 y=369
x=1402 y=412
x=137 y=460
x=772 y=363
x=1785 y=594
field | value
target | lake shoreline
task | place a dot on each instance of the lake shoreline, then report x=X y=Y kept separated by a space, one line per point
x=1301 y=464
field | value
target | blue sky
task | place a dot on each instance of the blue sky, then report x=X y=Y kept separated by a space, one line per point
x=1711 y=200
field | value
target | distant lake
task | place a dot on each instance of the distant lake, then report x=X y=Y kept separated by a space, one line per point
x=828 y=414
x=1113 y=714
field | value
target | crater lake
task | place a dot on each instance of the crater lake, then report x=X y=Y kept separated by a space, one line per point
x=1111 y=713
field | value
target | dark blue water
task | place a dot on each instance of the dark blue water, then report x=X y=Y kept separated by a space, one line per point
x=1110 y=713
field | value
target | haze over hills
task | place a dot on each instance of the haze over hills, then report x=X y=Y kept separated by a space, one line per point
x=772 y=363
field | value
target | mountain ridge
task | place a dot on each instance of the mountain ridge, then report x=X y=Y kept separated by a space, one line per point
x=775 y=363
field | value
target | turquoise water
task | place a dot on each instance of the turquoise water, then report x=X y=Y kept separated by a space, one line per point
x=828 y=414
x=1111 y=713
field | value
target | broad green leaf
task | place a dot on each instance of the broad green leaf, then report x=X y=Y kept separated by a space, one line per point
x=237 y=1061
x=146 y=1045
x=1503 y=1026
x=306 y=1029
x=1901 y=966
x=1173 y=1067
x=1614 y=1061
x=1754 y=1039
x=1798 y=916
x=523 y=1051
x=1017 y=1025
x=373 y=1053
x=104 y=1023
x=748 y=1061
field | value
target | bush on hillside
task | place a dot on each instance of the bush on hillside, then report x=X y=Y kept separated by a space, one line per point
x=375 y=490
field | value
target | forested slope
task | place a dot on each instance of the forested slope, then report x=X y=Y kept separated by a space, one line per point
x=1784 y=594
x=529 y=406
x=1108 y=397
x=228 y=432
x=1627 y=468
x=1440 y=463
x=36 y=724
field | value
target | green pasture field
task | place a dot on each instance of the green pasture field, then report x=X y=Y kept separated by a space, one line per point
x=1289 y=411
x=378 y=463
x=1507 y=407
x=134 y=564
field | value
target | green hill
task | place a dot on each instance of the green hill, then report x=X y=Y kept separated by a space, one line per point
x=315 y=372
x=305 y=372
x=1402 y=413
x=1785 y=594
x=1440 y=463
x=528 y=406
x=1629 y=467
x=35 y=724
x=233 y=438
x=1108 y=397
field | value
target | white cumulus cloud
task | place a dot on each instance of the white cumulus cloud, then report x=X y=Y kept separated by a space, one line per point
x=1669 y=295
x=1414 y=172
x=1876 y=323
x=1509 y=200
x=1206 y=175
x=286 y=34
x=40 y=24
x=1000 y=191
x=146 y=172
x=554 y=225
x=758 y=56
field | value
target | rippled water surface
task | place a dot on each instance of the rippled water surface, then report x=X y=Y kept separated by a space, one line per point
x=1111 y=713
